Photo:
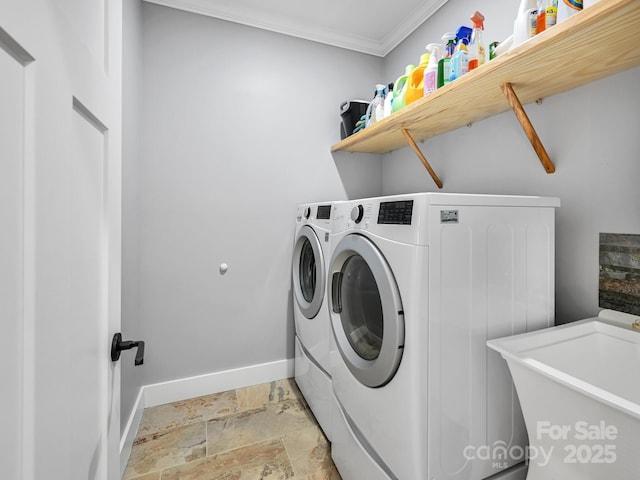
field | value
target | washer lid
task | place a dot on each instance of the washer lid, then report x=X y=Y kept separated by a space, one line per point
x=308 y=271
x=366 y=311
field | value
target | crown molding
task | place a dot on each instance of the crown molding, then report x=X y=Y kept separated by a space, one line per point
x=411 y=22
x=279 y=24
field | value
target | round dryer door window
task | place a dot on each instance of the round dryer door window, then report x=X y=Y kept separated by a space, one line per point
x=362 y=317
x=366 y=311
x=308 y=272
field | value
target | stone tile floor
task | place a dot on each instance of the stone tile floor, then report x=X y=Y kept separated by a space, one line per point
x=263 y=432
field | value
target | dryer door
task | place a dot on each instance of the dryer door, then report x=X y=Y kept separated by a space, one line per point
x=308 y=272
x=366 y=311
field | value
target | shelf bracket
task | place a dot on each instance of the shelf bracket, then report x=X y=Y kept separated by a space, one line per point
x=421 y=156
x=530 y=132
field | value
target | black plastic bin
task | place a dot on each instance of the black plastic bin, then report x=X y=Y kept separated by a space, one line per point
x=351 y=111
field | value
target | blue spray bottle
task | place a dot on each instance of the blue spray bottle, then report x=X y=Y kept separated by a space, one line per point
x=459 y=64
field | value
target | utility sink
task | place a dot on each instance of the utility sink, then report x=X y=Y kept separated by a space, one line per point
x=579 y=389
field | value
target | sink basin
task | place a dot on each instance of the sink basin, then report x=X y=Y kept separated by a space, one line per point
x=579 y=389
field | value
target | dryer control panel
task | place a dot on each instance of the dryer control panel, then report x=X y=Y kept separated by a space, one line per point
x=395 y=213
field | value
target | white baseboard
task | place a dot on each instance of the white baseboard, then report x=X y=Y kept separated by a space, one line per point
x=184 y=388
x=190 y=387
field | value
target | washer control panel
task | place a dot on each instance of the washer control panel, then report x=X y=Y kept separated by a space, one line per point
x=324 y=212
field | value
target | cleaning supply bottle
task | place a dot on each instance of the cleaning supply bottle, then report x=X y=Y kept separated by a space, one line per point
x=400 y=89
x=449 y=39
x=547 y=15
x=379 y=108
x=388 y=101
x=415 y=89
x=477 y=50
x=541 y=17
x=566 y=8
x=375 y=111
x=431 y=72
x=551 y=14
x=527 y=14
x=459 y=64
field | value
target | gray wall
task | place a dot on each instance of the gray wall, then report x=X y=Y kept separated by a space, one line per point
x=234 y=131
x=237 y=125
x=131 y=150
x=591 y=134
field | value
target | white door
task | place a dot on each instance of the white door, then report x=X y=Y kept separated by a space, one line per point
x=60 y=135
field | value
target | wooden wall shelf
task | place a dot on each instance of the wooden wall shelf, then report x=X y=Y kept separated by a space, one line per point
x=595 y=43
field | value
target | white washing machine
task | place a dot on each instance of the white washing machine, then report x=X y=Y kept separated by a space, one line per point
x=416 y=285
x=311 y=315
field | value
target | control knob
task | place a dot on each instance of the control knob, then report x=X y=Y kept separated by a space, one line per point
x=357 y=213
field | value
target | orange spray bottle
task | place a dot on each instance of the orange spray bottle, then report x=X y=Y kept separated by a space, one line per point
x=477 y=51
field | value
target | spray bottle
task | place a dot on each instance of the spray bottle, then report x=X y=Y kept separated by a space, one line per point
x=449 y=39
x=388 y=101
x=459 y=64
x=431 y=72
x=375 y=111
x=476 y=47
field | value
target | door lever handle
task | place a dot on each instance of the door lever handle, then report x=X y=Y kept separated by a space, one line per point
x=117 y=345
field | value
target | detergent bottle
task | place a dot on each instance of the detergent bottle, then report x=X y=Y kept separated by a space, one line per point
x=524 y=26
x=459 y=64
x=375 y=111
x=400 y=89
x=431 y=72
x=449 y=39
x=415 y=89
x=476 y=47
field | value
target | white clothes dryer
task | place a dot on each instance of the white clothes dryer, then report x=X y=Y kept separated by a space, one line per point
x=311 y=315
x=416 y=285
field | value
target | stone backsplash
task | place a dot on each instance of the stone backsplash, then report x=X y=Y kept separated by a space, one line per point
x=620 y=272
